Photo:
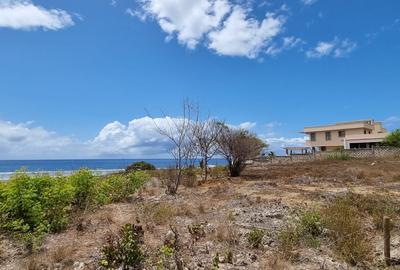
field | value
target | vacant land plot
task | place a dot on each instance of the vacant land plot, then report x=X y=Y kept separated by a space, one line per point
x=317 y=215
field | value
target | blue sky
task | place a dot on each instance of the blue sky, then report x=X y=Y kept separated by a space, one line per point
x=76 y=77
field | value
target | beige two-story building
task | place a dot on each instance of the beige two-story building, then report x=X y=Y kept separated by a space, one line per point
x=345 y=135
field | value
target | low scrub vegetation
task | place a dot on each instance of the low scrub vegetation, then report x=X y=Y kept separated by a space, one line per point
x=306 y=230
x=346 y=231
x=341 y=224
x=32 y=206
x=255 y=237
x=124 y=250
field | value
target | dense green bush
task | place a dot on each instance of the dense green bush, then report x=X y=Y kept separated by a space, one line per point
x=31 y=206
x=116 y=187
x=34 y=205
x=84 y=183
x=140 y=166
x=124 y=251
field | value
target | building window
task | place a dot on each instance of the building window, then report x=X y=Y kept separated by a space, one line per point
x=342 y=134
x=313 y=137
x=328 y=136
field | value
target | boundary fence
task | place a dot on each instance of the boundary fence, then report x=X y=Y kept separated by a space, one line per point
x=375 y=152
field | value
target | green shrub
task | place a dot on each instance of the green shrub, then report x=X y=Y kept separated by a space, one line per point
x=114 y=188
x=343 y=220
x=31 y=206
x=124 y=250
x=84 y=183
x=255 y=237
x=140 y=166
x=393 y=139
x=310 y=226
x=305 y=230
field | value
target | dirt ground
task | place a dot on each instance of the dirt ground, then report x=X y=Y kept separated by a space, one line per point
x=225 y=210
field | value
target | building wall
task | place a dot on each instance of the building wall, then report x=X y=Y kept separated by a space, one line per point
x=336 y=141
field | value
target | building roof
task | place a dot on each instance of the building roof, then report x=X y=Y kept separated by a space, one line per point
x=366 y=124
x=297 y=148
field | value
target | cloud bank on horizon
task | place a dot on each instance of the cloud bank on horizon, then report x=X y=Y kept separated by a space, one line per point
x=137 y=139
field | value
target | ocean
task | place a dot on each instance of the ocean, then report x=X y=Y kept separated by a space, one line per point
x=66 y=167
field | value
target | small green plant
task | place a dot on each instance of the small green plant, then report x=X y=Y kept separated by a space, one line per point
x=310 y=227
x=216 y=261
x=305 y=230
x=255 y=237
x=124 y=250
x=196 y=230
x=167 y=251
x=228 y=257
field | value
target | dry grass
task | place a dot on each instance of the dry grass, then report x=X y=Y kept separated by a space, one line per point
x=160 y=214
x=347 y=233
x=61 y=254
x=227 y=233
x=274 y=263
x=201 y=208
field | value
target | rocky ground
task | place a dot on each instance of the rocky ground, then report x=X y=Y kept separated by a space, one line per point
x=212 y=220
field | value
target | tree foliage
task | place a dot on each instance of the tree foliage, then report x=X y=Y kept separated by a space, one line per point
x=238 y=146
x=393 y=139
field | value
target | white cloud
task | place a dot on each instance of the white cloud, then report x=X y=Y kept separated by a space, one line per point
x=243 y=36
x=139 y=138
x=244 y=125
x=223 y=26
x=136 y=139
x=23 y=14
x=276 y=144
x=308 y=2
x=288 y=43
x=190 y=20
x=336 y=48
x=22 y=141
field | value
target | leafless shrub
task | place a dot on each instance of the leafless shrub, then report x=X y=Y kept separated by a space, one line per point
x=177 y=131
x=205 y=137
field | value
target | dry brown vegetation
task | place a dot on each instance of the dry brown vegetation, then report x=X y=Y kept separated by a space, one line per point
x=316 y=215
